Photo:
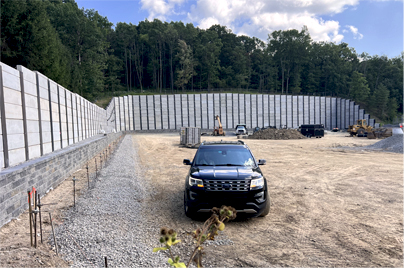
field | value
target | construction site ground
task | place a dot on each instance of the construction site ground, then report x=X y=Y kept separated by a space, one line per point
x=333 y=204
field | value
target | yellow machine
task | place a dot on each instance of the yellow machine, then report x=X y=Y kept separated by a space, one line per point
x=361 y=129
x=218 y=131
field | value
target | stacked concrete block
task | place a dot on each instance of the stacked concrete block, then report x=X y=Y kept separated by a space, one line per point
x=283 y=121
x=361 y=114
x=198 y=112
x=171 y=112
x=241 y=109
x=356 y=113
x=289 y=111
x=204 y=111
x=372 y=123
x=366 y=117
x=150 y=112
x=277 y=111
x=143 y=112
x=211 y=111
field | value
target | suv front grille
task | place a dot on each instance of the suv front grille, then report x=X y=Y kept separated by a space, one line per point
x=229 y=185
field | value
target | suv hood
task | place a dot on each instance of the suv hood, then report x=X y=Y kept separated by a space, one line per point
x=225 y=172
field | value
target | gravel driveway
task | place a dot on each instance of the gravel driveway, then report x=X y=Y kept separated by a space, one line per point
x=108 y=220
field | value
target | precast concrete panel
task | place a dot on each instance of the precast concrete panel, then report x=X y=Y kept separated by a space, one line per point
x=271 y=110
x=322 y=111
x=62 y=115
x=164 y=111
x=74 y=118
x=372 y=122
x=347 y=113
x=254 y=122
x=204 y=111
x=143 y=113
x=356 y=113
x=312 y=110
x=222 y=109
x=157 y=111
x=229 y=111
x=265 y=104
x=248 y=110
x=122 y=113
x=295 y=112
x=278 y=111
x=289 y=113
x=361 y=114
x=150 y=112
x=283 y=111
x=136 y=112
x=338 y=113
x=333 y=112
x=306 y=110
x=328 y=113
x=352 y=113
x=300 y=110
x=216 y=107
x=198 y=111
x=55 y=124
x=235 y=111
x=130 y=112
x=260 y=111
x=241 y=109
x=367 y=118
x=184 y=109
x=178 y=111
x=69 y=116
x=127 y=113
x=317 y=110
x=171 y=112
x=191 y=110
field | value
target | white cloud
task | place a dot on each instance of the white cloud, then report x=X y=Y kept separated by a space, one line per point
x=160 y=8
x=354 y=30
x=260 y=17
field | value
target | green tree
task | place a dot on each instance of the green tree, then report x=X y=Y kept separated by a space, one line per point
x=186 y=69
x=359 y=90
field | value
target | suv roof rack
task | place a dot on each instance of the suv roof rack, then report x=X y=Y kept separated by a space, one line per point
x=239 y=142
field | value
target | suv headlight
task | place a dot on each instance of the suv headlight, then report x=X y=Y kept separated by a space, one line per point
x=257 y=183
x=195 y=182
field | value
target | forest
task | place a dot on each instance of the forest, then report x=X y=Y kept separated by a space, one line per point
x=84 y=52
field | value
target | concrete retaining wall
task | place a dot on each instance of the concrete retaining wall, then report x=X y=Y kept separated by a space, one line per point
x=171 y=112
x=44 y=173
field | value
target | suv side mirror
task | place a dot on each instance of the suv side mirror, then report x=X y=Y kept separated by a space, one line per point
x=260 y=162
x=187 y=162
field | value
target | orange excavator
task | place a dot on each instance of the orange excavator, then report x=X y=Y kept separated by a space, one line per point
x=218 y=131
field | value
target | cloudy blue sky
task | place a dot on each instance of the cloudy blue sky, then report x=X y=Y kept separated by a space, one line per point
x=371 y=26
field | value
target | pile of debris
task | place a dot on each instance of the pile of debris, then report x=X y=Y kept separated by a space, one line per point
x=391 y=144
x=277 y=134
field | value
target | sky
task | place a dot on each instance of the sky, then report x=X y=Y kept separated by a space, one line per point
x=371 y=26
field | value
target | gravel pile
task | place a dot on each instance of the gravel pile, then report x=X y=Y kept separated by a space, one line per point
x=391 y=144
x=107 y=220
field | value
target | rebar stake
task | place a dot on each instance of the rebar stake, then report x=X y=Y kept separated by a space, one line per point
x=106 y=261
x=88 y=176
x=40 y=216
x=30 y=215
x=74 y=191
x=35 y=212
x=53 y=232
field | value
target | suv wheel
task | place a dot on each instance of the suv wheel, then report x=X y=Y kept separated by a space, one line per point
x=267 y=208
x=189 y=212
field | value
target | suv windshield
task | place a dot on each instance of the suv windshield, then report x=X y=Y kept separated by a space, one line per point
x=211 y=156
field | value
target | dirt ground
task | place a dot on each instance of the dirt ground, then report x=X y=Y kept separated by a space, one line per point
x=331 y=206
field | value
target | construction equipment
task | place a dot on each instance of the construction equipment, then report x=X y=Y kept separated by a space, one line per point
x=361 y=129
x=218 y=131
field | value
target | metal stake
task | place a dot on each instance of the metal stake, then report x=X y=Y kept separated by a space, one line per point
x=35 y=212
x=53 y=232
x=106 y=261
x=74 y=191
x=30 y=216
x=88 y=176
x=40 y=216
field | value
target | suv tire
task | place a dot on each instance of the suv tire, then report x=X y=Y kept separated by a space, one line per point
x=267 y=208
x=189 y=212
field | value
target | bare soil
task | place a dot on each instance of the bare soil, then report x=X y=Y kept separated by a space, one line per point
x=333 y=204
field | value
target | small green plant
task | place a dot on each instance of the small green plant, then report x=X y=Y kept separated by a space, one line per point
x=208 y=231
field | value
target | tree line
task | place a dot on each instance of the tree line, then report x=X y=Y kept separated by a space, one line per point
x=83 y=51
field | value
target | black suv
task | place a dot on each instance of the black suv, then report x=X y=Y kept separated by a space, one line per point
x=225 y=173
